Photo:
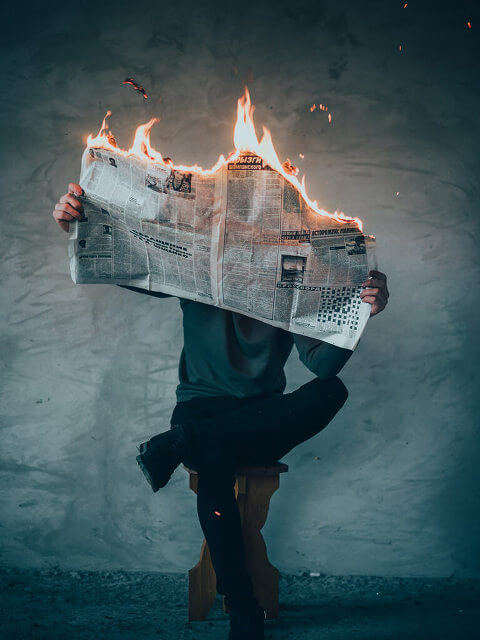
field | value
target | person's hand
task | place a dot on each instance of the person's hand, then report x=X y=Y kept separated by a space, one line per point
x=68 y=207
x=377 y=293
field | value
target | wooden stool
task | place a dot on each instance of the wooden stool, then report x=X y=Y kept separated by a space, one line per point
x=254 y=487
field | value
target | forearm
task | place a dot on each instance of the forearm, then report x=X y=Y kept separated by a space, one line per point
x=323 y=359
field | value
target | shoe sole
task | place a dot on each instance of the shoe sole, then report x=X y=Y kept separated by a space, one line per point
x=142 y=448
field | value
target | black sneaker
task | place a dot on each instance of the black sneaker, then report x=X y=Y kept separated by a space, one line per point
x=160 y=456
x=246 y=624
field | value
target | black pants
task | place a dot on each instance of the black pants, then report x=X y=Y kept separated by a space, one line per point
x=258 y=429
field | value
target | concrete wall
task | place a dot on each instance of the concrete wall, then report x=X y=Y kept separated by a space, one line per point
x=90 y=371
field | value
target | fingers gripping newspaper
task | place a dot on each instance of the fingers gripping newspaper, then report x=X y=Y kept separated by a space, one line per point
x=241 y=239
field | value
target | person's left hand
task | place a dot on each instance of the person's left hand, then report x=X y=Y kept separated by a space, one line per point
x=377 y=293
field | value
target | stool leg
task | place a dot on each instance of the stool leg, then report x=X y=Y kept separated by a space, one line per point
x=202 y=586
x=265 y=576
x=253 y=504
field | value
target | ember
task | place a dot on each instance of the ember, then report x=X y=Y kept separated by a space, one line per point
x=136 y=86
x=321 y=107
x=245 y=141
x=290 y=168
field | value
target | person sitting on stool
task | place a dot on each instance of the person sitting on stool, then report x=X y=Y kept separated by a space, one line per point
x=231 y=410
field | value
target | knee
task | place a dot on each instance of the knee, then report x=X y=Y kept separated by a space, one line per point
x=340 y=391
x=336 y=390
x=318 y=390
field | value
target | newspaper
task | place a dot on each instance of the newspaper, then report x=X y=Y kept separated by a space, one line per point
x=242 y=239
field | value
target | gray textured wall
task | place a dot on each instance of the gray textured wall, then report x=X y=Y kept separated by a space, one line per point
x=90 y=371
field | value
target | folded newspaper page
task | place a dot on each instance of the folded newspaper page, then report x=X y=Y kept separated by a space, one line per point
x=242 y=239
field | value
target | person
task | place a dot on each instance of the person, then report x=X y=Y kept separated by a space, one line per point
x=231 y=409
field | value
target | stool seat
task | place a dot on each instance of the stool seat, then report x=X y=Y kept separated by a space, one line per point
x=270 y=469
x=254 y=486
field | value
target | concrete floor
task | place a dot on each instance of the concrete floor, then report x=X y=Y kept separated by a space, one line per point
x=44 y=604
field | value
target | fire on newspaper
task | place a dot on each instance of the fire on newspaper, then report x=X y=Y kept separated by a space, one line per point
x=243 y=235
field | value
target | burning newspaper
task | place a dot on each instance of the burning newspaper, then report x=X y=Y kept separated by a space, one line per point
x=241 y=236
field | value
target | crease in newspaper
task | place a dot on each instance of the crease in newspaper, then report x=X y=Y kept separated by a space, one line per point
x=218 y=231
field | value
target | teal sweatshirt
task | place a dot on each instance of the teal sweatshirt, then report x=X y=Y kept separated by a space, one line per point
x=226 y=353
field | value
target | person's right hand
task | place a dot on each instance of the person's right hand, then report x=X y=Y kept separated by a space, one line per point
x=68 y=207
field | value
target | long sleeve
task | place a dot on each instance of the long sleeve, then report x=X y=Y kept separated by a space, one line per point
x=323 y=359
x=157 y=294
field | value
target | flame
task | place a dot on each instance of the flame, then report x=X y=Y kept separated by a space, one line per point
x=141 y=143
x=245 y=140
